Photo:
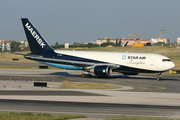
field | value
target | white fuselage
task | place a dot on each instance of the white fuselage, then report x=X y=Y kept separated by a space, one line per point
x=146 y=61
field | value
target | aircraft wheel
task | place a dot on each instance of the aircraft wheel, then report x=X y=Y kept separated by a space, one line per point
x=89 y=75
x=83 y=75
x=86 y=75
x=159 y=78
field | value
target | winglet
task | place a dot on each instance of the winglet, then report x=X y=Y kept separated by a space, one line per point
x=36 y=42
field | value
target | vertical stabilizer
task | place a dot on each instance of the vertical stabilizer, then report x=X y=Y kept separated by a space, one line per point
x=36 y=42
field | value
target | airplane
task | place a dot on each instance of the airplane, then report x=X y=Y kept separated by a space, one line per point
x=102 y=64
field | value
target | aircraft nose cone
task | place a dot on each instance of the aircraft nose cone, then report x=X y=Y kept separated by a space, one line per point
x=172 y=65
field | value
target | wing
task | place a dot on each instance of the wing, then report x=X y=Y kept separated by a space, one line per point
x=70 y=62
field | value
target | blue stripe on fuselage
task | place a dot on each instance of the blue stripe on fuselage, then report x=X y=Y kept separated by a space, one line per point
x=69 y=67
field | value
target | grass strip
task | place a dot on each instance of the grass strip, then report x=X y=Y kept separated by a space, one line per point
x=46 y=116
x=84 y=85
x=34 y=116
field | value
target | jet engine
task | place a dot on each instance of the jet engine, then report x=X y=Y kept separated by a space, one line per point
x=102 y=71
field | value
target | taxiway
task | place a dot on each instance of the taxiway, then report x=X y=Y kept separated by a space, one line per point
x=141 y=95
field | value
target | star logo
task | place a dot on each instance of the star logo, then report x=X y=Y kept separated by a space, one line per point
x=123 y=57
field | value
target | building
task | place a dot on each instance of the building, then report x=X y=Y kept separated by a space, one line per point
x=124 y=41
x=101 y=40
x=24 y=43
x=155 y=40
x=178 y=41
x=5 y=45
x=66 y=45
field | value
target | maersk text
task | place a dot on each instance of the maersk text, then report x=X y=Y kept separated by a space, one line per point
x=34 y=34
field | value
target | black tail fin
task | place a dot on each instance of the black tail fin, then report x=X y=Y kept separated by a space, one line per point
x=36 y=42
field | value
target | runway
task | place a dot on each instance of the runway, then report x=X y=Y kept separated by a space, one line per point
x=141 y=95
x=140 y=83
x=19 y=63
x=89 y=109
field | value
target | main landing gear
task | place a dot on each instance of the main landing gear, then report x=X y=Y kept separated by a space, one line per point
x=159 y=76
x=86 y=75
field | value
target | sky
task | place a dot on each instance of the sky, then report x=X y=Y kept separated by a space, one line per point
x=87 y=20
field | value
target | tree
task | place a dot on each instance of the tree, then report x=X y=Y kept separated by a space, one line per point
x=160 y=44
x=75 y=44
x=95 y=45
x=148 y=44
x=56 y=44
x=5 y=50
x=108 y=40
x=15 y=46
x=116 y=41
x=175 y=43
x=59 y=46
x=120 y=42
x=27 y=49
x=89 y=45
x=82 y=45
x=107 y=43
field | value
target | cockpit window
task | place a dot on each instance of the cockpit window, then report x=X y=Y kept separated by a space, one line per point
x=164 y=60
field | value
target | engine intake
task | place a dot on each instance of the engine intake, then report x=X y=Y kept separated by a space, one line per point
x=102 y=71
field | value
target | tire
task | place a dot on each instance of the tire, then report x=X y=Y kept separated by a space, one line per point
x=89 y=75
x=83 y=75
x=159 y=78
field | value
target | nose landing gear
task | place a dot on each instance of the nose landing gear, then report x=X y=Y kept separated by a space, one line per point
x=159 y=76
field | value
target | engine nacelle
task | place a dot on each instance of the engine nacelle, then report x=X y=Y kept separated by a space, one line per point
x=102 y=71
